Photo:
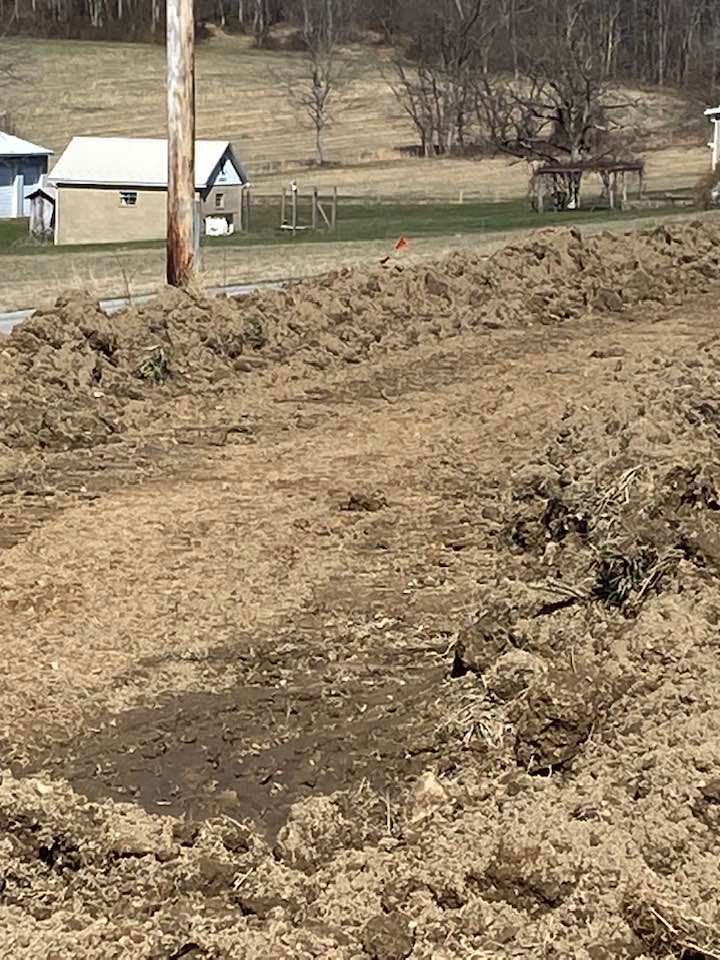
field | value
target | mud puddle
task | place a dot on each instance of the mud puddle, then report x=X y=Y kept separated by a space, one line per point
x=253 y=751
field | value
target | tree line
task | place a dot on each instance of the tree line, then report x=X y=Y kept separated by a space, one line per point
x=652 y=41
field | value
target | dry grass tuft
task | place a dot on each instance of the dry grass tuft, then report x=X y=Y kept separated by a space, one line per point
x=470 y=718
x=669 y=933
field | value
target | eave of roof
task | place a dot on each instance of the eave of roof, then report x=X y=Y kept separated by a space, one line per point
x=48 y=192
x=112 y=184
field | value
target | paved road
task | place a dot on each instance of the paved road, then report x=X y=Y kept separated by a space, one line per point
x=114 y=304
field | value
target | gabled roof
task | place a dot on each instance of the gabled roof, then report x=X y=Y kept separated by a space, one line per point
x=15 y=147
x=43 y=189
x=129 y=162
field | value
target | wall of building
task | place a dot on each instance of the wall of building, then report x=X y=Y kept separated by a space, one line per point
x=97 y=215
x=19 y=176
x=231 y=202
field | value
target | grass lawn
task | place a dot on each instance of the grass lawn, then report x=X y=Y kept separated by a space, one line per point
x=387 y=221
x=357 y=222
x=35 y=281
x=14 y=237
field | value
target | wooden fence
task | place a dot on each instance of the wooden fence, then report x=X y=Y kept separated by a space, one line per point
x=320 y=210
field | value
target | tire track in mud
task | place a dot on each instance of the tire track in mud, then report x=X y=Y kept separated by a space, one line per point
x=36 y=488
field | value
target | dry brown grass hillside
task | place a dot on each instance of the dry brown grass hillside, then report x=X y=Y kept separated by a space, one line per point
x=68 y=88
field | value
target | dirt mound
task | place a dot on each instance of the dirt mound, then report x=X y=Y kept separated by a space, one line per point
x=72 y=377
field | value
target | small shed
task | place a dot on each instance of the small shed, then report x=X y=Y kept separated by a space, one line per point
x=22 y=164
x=114 y=189
x=42 y=211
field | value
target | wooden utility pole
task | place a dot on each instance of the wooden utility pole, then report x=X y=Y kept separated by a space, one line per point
x=181 y=141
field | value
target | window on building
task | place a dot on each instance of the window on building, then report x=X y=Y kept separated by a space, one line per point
x=32 y=170
x=219 y=201
x=128 y=198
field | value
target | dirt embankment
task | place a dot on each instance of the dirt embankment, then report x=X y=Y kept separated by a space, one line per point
x=520 y=758
x=72 y=377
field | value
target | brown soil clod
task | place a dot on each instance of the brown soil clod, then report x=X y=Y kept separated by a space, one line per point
x=557 y=719
x=707 y=806
x=182 y=343
x=387 y=937
x=363 y=503
x=527 y=879
x=488 y=637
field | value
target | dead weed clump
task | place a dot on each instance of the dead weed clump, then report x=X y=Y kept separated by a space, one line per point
x=470 y=718
x=666 y=932
x=613 y=541
x=624 y=581
x=156 y=367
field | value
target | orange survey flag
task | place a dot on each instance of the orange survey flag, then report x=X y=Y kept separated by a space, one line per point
x=402 y=244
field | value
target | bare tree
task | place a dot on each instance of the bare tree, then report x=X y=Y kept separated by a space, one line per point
x=260 y=22
x=559 y=110
x=412 y=85
x=610 y=32
x=324 y=76
x=322 y=21
x=317 y=91
x=433 y=80
x=511 y=19
x=265 y=14
x=10 y=83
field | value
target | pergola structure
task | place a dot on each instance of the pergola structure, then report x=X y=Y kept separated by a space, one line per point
x=560 y=182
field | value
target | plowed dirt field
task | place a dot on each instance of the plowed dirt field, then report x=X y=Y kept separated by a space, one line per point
x=374 y=618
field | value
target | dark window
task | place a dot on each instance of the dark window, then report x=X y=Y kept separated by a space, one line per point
x=32 y=171
x=128 y=198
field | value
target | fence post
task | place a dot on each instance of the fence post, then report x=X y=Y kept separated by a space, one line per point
x=197 y=234
x=283 y=210
x=333 y=214
x=294 y=211
x=315 y=208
